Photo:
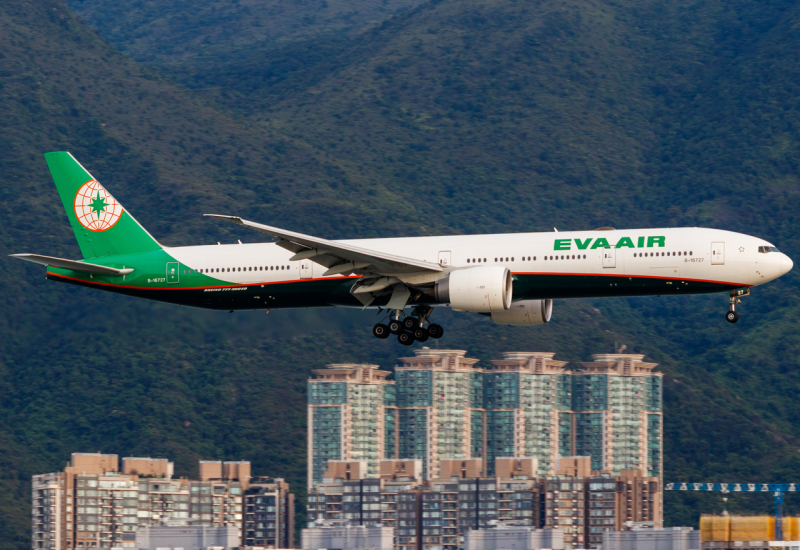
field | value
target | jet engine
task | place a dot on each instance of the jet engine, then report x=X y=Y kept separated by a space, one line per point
x=481 y=289
x=526 y=312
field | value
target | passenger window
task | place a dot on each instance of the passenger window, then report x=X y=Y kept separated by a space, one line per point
x=467 y=260
x=512 y=258
x=534 y=258
x=690 y=253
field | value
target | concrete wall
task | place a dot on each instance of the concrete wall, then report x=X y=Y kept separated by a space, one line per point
x=674 y=538
x=148 y=467
x=514 y=538
x=150 y=537
x=349 y=538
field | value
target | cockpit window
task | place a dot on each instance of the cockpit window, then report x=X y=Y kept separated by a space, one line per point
x=774 y=249
x=767 y=249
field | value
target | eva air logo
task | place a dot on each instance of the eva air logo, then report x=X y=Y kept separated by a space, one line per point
x=623 y=242
x=95 y=208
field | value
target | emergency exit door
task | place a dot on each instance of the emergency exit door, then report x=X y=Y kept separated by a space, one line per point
x=609 y=257
x=717 y=253
x=444 y=258
x=305 y=269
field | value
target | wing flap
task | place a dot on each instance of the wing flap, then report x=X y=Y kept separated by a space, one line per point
x=72 y=264
x=332 y=253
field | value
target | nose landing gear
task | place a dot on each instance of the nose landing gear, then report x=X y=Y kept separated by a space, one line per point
x=732 y=316
x=411 y=328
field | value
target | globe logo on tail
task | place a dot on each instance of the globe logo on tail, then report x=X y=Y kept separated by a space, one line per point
x=95 y=208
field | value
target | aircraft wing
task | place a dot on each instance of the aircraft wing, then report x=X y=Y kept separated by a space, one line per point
x=72 y=264
x=336 y=256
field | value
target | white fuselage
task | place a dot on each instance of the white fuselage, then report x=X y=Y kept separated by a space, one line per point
x=689 y=254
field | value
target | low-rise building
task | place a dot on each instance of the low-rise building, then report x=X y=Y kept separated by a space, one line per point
x=514 y=538
x=436 y=514
x=674 y=538
x=92 y=504
x=162 y=537
x=348 y=537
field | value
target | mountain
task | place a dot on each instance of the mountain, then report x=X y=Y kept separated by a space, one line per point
x=449 y=117
x=182 y=31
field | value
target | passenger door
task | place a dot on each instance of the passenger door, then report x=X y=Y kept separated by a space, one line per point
x=609 y=257
x=173 y=272
x=444 y=258
x=306 y=269
x=717 y=253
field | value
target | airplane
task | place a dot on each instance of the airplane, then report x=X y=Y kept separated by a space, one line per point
x=513 y=278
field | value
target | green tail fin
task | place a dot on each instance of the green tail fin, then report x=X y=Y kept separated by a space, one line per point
x=101 y=225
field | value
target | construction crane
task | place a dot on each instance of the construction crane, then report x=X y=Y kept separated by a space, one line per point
x=777 y=490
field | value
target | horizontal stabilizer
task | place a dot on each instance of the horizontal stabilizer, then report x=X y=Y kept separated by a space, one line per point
x=72 y=264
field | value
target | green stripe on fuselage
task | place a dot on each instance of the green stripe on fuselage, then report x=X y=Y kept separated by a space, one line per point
x=148 y=280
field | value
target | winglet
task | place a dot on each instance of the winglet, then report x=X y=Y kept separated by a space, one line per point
x=234 y=219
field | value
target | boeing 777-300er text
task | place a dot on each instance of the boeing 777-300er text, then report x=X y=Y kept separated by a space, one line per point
x=514 y=277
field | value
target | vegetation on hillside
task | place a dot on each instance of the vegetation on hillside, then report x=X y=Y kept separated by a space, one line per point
x=451 y=117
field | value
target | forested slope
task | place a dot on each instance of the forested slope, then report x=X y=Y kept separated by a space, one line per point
x=452 y=117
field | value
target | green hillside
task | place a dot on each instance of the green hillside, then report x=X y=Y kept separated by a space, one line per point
x=452 y=117
x=181 y=32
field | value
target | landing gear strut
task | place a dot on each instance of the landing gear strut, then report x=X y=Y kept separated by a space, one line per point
x=732 y=316
x=411 y=328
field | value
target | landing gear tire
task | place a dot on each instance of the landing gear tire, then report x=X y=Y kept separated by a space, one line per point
x=421 y=334
x=435 y=331
x=405 y=338
x=395 y=326
x=381 y=331
x=411 y=323
x=731 y=316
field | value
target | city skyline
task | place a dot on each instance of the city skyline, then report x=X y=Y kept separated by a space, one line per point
x=441 y=405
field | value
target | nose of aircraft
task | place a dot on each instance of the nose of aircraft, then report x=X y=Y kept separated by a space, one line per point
x=786 y=264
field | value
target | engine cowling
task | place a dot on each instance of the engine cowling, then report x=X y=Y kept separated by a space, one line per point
x=526 y=312
x=481 y=289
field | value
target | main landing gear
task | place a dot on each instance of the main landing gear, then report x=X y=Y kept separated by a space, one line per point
x=732 y=316
x=411 y=328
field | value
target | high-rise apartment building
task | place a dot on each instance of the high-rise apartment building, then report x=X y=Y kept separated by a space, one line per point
x=441 y=405
x=92 y=504
x=269 y=515
x=435 y=514
x=526 y=396
x=348 y=417
x=617 y=414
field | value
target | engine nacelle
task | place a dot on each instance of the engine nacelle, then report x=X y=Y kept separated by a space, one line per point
x=481 y=289
x=526 y=312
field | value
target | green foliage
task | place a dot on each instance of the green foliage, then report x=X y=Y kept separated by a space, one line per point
x=452 y=117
